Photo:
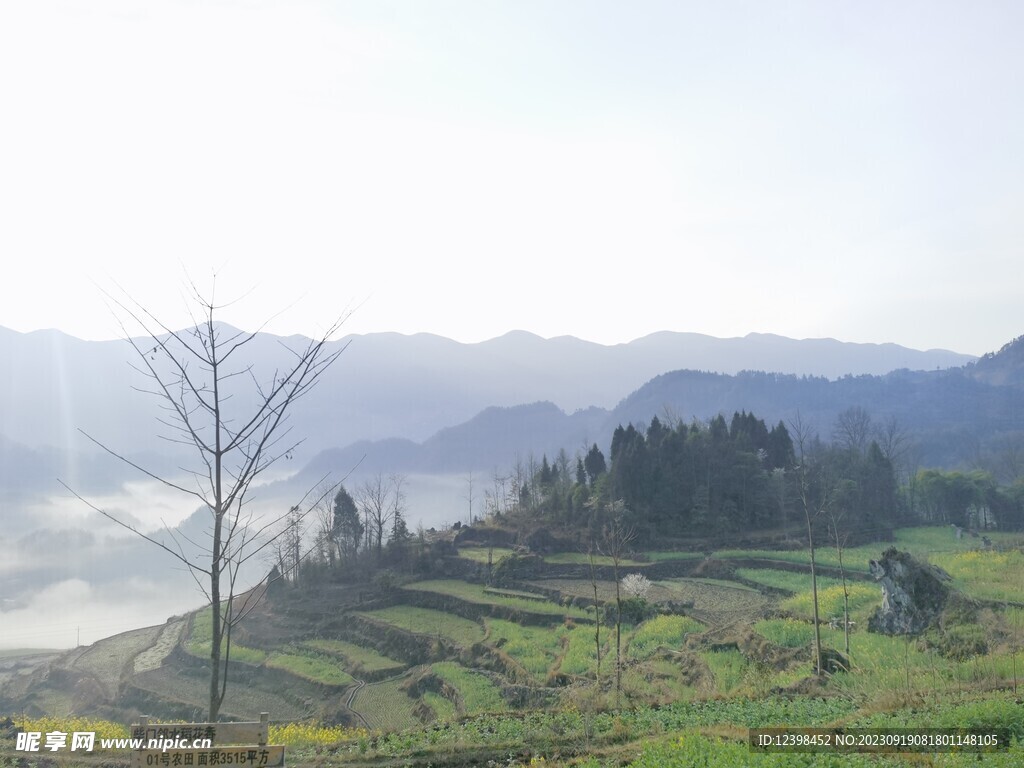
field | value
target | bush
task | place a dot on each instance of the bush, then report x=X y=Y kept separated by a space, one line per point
x=636 y=609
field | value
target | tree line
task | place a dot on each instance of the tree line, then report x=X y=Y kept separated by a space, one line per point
x=682 y=480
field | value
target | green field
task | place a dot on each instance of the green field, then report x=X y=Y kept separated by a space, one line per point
x=662 y=632
x=714 y=655
x=582 y=558
x=316 y=669
x=354 y=656
x=199 y=641
x=385 y=706
x=426 y=621
x=476 y=593
x=475 y=691
x=480 y=554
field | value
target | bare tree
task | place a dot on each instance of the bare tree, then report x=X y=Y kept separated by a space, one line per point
x=469 y=495
x=597 y=610
x=382 y=500
x=852 y=429
x=199 y=377
x=326 y=540
x=617 y=538
x=839 y=539
x=817 y=494
x=375 y=500
x=291 y=536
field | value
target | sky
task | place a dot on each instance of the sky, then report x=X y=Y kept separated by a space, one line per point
x=600 y=169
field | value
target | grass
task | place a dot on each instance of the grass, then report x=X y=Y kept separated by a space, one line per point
x=479 y=554
x=200 y=642
x=830 y=601
x=476 y=692
x=854 y=559
x=729 y=669
x=788 y=633
x=385 y=706
x=719 y=583
x=444 y=709
x=356 y=656
x=668 y=631
x=986 y=575
x=788 y=581
x=535 y=649
x=658 y=557
x=514 y=593
x=581 y=558
x=314 y=668
x=477 y=594
x=922 y=542
x=580 y=656
x=426 y=621
x=312 y=735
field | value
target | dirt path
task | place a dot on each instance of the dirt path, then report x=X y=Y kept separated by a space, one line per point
x=350 y=701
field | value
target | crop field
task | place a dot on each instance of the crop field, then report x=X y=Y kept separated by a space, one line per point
x=705 y=594
x=154 y=655
x=547 y=732
x=728 y=668
x=580 y=652
x=582 y=558
x=476 y=692
x=713 y=656
x=426 y=621
x=661 y=631
x=245 y=702
x=199 y=641
x=986 y=575
x=787 y=633
x=355 y=656
x=480 y=554
x=716 y=601
x=385 y=706
x=659 y=557
x=862 y=598
x=476 y=593
x=317 y=669
x=535 y=649
x=108 y=662
x=788 y=581
x=656 y=680
x=925 y=542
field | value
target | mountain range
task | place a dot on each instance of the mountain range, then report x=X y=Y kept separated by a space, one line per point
x=435 y=403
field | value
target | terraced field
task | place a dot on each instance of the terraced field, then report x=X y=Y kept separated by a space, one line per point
x=710 y=600
x=107 y=662
x=386 y=706
x=478 y=594
x=715 y=642
x=153 y=656
x=426 y=621
x=355 y=657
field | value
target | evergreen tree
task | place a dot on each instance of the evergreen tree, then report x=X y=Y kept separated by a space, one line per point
x=348 y=528
x=594 y=463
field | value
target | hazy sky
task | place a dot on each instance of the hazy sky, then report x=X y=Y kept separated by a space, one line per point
x=600 y=169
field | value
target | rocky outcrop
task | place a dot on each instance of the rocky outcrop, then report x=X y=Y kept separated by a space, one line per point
x=913 y=594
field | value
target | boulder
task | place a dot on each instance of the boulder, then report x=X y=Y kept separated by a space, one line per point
x=913 y=594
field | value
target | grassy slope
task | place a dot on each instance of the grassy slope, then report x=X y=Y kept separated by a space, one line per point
x=890 y=675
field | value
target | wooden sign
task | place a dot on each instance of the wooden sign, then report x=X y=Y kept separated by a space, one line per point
x=181 y=745
x=247 y=757
x=217 y=733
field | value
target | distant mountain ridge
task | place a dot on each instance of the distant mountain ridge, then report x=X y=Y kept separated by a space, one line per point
x=386 y=386
x=953 y=412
